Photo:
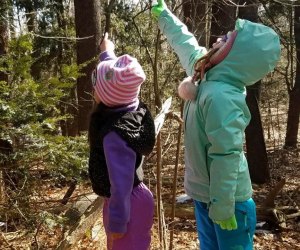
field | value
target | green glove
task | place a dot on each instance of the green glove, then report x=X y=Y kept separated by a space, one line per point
x=229 y=224
x=157 y=9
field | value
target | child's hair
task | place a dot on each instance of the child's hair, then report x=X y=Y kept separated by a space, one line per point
x=187 y=89
x=203 y=64
x=213 y=57
x=117 y=82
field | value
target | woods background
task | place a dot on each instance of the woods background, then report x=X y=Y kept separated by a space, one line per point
x=48 y=50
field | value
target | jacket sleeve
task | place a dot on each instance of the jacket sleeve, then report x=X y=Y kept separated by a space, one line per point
x=120 y=160
x=224 y=125
x=107 y=55
x=181 y=40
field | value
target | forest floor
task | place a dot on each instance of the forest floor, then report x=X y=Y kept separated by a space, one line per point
x=284 y=164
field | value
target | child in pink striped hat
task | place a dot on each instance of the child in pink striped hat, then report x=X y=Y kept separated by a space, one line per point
x=121 y=132
x=117 y=80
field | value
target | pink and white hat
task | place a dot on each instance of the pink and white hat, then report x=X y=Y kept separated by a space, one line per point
x=117 y=82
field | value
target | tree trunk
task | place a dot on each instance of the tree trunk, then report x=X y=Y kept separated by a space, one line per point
x=249 y=11
x=88 y=30
x=5 y=146
x=4 y=34
x=69 y=103
x=255 y=141
x=31 y=22
x=223 y=20
x=294 y=94
x=5 y=150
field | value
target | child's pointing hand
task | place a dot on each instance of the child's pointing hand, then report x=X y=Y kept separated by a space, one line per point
x=158 y=8
x=106 y=44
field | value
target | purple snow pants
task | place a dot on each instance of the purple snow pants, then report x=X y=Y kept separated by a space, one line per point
x=138 y=235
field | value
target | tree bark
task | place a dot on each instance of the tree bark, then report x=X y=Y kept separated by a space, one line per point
x=255 y=141
x=31 y=23
x=69 y=103
x=82 y=216
x=4 y=34
x=5 y=146
x=294 y=93
x=88 y=30
x=223 y=20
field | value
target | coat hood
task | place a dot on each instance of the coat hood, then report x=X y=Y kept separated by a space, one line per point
x=254 y=54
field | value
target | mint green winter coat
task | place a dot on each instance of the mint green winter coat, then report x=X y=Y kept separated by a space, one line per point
x=216 y=170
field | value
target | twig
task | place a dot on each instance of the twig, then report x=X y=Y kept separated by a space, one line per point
x=296 y=191
x=5 y=240
x=286 y=208
x=174 y=116
x=36 y=234
x=288 y=2
x=159 y=121
x=269 y=202
x=292 y=201
x=143 y=43
x=169 y=145
x=235 y=4
x=294 y=215
x=107 y=15
x=69 y=192
x=175 y=178
x=20 y=212
x=158 y=187
x=62 y=37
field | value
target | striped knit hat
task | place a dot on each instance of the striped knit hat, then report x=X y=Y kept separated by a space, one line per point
x=117 y=82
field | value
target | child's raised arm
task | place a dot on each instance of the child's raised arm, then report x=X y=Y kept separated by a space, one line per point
x=181 y=40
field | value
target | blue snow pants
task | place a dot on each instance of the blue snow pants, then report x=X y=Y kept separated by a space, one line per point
x=212 y=237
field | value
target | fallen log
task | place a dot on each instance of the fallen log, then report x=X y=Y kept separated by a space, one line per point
x=266 y=211
x=182 y=211
x=81 y=217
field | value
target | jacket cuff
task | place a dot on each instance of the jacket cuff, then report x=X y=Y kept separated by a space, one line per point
x=219 y=211
x=107 y=55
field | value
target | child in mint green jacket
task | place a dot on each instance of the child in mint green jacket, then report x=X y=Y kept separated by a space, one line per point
x=216 y=115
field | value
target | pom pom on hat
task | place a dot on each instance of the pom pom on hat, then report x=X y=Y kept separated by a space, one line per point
x=117 y=82
x=187 y=90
